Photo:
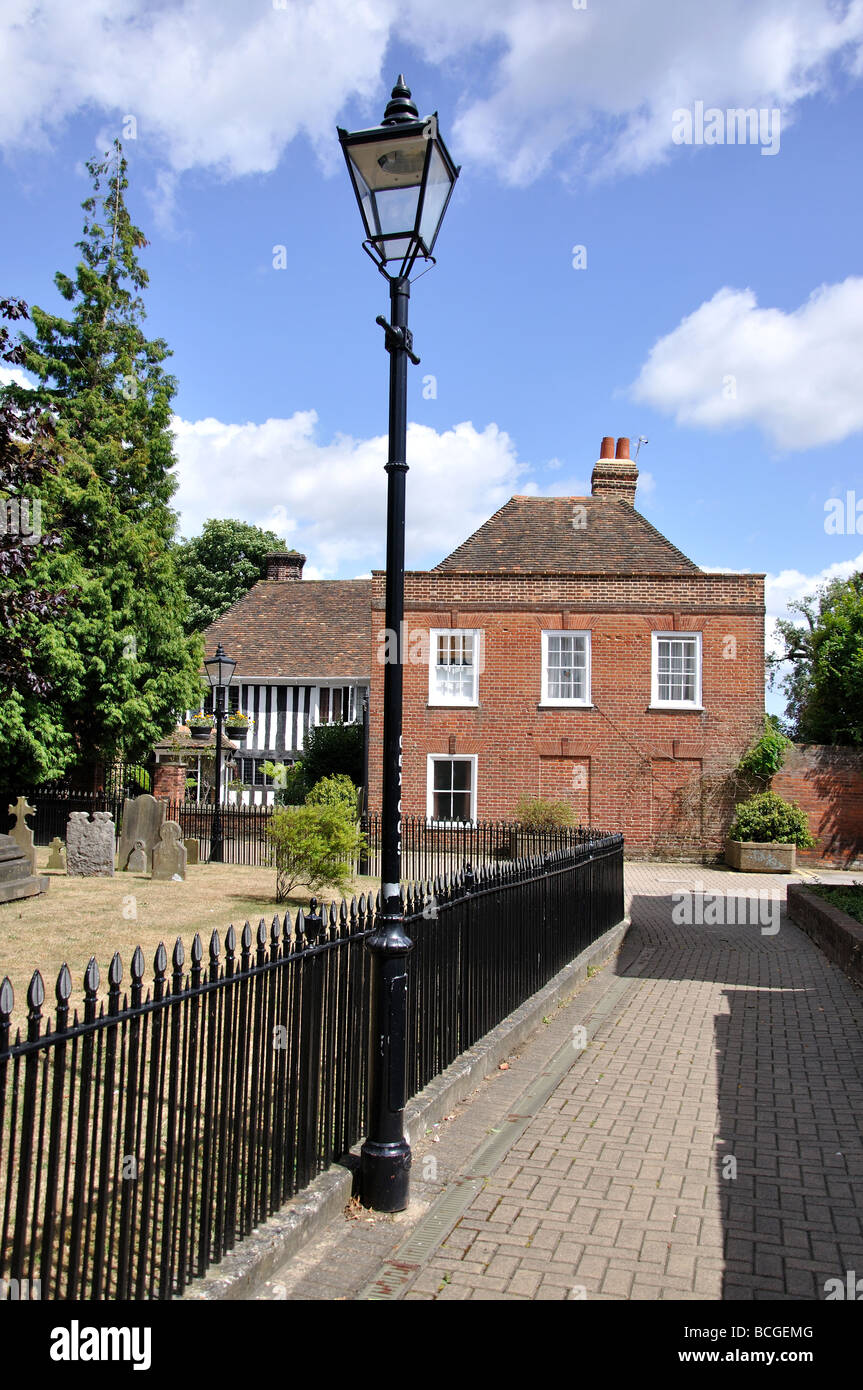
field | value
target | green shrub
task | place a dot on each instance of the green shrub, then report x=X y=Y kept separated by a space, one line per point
x=534 y=813
x=765 y=755
x=314 y=846
x=335 y=791
x=768 y=818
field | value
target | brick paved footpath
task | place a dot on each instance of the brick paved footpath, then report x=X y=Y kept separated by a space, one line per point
x=728 y=1049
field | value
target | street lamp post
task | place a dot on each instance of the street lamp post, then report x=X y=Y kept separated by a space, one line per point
x=220 y=669
x=403 y=177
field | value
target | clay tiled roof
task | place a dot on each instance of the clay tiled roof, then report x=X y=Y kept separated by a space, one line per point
x=536 y=535
x=298 y=629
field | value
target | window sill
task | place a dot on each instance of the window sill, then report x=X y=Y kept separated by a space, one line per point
x=566 y=704
x=676 y=709
x=452 y=704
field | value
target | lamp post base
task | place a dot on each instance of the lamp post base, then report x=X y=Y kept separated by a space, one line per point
x=385 y=1171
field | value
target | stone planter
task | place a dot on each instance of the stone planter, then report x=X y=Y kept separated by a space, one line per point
x=761 y=857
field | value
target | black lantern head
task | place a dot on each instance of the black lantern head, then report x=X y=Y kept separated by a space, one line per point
x=219 y=668
x=403 y=176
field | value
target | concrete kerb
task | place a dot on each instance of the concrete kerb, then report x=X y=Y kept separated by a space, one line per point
x=306 y=1216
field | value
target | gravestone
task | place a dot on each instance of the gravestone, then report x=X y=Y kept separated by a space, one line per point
x=169 y=856
x=143 y=818
x=193 y=851
x=16 y=880
x=90 y=845
x=57 y=857
x=21 y=832
x=137 y=859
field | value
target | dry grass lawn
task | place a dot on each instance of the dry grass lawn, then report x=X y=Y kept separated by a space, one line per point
x=82 y=917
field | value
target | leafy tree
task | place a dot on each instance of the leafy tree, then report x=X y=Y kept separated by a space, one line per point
x=120 y=661
x=330 y=749
x=824 y=688
x=769 y=819
x=220 y=566
x=313 y=845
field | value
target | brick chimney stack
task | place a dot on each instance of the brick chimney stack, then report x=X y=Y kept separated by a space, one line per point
x=285 y=565
x=615 y=474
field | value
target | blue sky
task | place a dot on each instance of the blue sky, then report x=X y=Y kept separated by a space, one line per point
x=720 y=312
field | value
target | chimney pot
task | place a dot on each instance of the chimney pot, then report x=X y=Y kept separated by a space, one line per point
x=615 y=475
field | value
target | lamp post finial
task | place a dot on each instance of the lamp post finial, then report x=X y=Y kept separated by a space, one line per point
x=400 y=107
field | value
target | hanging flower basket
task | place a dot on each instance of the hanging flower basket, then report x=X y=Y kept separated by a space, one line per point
x=200 y=727
x=237 y=725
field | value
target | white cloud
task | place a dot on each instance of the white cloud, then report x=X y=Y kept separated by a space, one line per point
x=229 y=86
x=610 y=77
x=329 y=499
x=796 y=376
x=216 y=83
x=13 y=376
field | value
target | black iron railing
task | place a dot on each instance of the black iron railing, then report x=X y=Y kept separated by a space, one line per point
x=428 y=849
x=142 y=1139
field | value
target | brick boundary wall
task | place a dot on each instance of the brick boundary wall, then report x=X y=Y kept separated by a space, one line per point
x=827 y=782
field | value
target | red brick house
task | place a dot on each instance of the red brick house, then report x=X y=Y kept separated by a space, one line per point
x=568 y=650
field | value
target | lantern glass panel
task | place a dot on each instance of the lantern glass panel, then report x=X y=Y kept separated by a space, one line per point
x=389 y=174
x=438 y=186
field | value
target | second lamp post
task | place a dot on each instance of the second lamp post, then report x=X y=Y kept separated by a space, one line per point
x=220 y=669
x=403 y=177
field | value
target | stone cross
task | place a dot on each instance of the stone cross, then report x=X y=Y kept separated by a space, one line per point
x=57 y=857
x=90 y=845
x=169 y=856
x=21 y=832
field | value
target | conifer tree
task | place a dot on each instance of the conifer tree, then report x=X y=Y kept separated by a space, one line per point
x=26 y=602
x=122 y=665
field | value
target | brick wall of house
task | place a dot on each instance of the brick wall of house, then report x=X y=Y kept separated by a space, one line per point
x=621 y=765
x=828 y=783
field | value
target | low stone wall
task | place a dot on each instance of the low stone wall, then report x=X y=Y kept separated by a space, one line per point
x=837 y=934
